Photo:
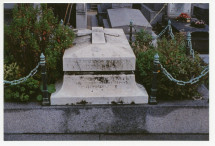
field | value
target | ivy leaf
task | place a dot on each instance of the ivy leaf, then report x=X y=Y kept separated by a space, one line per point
x=39 y=98
x=51 y=88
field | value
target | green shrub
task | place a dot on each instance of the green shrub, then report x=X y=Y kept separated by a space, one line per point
x=173 y=57
x=21 y=92
x=36 y=30
x=33 y=31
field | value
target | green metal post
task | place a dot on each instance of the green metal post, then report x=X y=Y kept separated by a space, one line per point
x=130 y=37
x=152 y=97
x=169 y=27
x=188 y=43
x=43 y=72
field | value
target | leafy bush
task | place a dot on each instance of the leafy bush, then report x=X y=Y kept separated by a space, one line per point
x=33 y=31
x=36 y=30
x=173 y=57
x=21 y=92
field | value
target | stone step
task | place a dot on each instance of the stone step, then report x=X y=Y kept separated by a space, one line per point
x=99 y=89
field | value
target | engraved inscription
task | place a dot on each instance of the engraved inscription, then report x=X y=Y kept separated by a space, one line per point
x=101 y=82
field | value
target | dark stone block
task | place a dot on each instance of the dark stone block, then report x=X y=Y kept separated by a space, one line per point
x=155 y=6
x=201 y=13
x=49 y=137
x=200 y=42
x=200 y=36
x=83 y=137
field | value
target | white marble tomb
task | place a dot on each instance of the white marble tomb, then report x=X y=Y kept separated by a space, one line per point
x=99 y=70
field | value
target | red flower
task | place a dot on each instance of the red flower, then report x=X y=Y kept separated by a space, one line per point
x=44 y=32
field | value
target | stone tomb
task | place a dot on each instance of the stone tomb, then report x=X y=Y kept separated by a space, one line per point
x=175 y=9
x=99 y=70
x=120 y=18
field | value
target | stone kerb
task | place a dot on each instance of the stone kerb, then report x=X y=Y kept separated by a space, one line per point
x=179 y=117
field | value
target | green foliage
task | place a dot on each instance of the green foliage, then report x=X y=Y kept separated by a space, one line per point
x=11 y=71
x=33 y=31
x=21 y=92
x=36 y=30
x=50 y=87
x=39 y=98
x=173 y=57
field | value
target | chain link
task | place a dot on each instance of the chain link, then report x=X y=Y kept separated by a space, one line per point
x=182 y=83
x=21 y=80
x=167 y=74
x=164 y=30
x=189 y=43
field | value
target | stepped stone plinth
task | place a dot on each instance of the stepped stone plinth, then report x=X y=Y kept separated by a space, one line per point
x=99 y=70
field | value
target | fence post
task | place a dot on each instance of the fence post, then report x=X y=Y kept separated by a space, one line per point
x=44 y=82
x=130 y=37
x=169 y=27
x=152 y=97
x=188 y=43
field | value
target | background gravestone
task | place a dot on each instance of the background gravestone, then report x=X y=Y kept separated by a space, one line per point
x=81 y=15
x=174 y=10
x=122 y=5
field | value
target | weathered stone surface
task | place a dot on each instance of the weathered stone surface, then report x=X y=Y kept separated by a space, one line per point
x=177 y=117
x=105 y=23
x=99 y=89
x=98 y=35
x=81 y=15
x=115 y=55
x=49 y=137
x=121 y=5
x=175 y=9
x=120 y=18
x=94 y=21
x=34 y=121
x=178 y=121
x=154 y=6
x=83 y=32
x=108 y=52
x=132 y=136
x=151 y=12
x=160 y=137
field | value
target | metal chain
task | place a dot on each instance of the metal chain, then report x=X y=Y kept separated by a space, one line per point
x=21 y=80
x=134 y=28
x=171 y=34
x=164 y=30
x=161 y=33
x=189 y=43
x=191 y=81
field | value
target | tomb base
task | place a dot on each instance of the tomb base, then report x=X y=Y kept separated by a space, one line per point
x=99 y=89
